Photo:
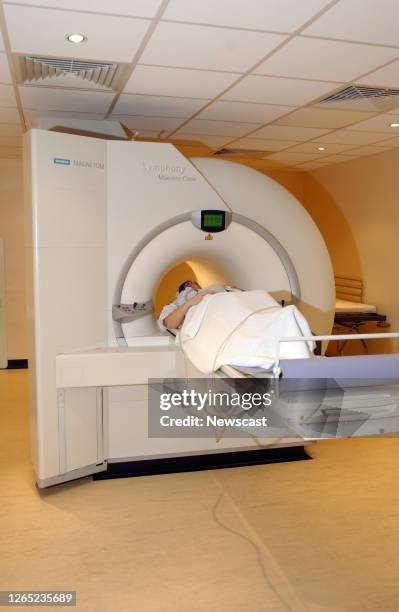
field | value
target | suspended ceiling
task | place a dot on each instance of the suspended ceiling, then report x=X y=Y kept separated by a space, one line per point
x=208 y=74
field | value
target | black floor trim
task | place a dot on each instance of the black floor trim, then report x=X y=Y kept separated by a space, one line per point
x=17 y=364
x=194 y=463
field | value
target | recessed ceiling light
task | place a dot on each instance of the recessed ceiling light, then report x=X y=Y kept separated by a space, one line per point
x=321 y=148
x=76 y=38
x=394 y=125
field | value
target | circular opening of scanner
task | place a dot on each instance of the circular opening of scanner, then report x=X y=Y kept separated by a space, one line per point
x=205 y=273
x=238 y=256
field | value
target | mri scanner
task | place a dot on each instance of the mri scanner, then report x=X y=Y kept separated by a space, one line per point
x=105 y=221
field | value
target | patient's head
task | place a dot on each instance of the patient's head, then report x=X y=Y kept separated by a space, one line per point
x=189 y=283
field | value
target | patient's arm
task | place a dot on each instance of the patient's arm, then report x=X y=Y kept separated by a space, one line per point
x=176 y=317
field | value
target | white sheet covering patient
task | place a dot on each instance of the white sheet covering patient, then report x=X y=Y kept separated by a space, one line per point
x=240 y=328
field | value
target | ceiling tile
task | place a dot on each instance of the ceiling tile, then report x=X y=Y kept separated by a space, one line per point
x=148 y=134
x=273 y=90
x=334 y=159
x=9 y=115
x=42 y=32
x=211 y=141
x=311 y=147
x=373 y=21
x=379 y=123
x=135 y=8
x=157 y=106
x=315 y=117
x=10 y=129
x=327 y=60
x=384 y=77
x=261 y=144
x=5 y=75
x=208 y=48
x=32 y=116
x=283 y=132
x=42 y=98
x=217 y=128
x=155 y=124
x=7 y=97
x=292 y=157
x=351 y=137
x=368 y=150
x=178 y=82
x=391 y=142
x=272 y=15
x=241 y=111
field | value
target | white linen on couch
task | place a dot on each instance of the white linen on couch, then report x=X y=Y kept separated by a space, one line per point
x=242 y=329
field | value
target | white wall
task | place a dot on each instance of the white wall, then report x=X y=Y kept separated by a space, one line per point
x=366 y=190
x=12 y=231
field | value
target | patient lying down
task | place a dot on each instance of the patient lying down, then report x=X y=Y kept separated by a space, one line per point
x=234 y=328
x=189 y=294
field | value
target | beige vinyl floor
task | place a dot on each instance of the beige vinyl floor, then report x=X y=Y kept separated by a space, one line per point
x=319 y=535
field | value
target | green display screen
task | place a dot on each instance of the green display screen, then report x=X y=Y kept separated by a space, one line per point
x=213 y=220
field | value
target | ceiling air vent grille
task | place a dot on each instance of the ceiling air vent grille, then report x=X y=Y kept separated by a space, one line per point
x=363 y=97
x=252 y=153
x=101 y=73
x=359 y=92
